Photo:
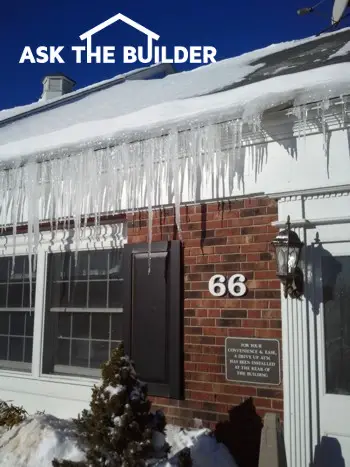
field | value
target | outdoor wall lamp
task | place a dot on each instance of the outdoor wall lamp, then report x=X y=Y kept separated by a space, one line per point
x=288 y=247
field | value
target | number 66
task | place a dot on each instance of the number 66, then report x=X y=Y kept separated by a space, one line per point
x=235 y=285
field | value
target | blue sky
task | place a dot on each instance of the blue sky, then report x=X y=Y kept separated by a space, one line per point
x=232 y=26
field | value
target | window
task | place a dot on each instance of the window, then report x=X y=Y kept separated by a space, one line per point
x=84 y=311
x=336 y=302
x=16 y=316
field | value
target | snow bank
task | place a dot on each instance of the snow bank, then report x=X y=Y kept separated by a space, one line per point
x=205 y=450
x=41 y=438
x=37 y=441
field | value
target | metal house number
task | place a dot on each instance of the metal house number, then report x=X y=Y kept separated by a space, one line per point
x=219 y=285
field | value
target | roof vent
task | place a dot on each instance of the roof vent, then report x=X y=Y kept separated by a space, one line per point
x=56 y=85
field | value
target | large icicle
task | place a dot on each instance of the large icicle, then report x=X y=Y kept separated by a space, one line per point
x=174 y=157
x=147 y=150
x=30 y=186
x=323 y=107
x=301 y=114
x=17 y=187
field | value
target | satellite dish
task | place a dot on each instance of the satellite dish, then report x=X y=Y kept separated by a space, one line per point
x=339 y=8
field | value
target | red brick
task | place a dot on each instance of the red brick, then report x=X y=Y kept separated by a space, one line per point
x=220 y=238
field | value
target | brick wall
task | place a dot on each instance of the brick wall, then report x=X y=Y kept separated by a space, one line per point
x=226 y=238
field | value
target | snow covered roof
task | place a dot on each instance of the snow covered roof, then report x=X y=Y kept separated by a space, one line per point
x=295 y=72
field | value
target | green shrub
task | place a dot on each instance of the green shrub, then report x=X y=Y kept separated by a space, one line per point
x=117 y=429
x=11 y=415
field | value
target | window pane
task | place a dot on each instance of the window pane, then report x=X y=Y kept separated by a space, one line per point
x=99 y=353
x=117 y=326
x=26 y=294
x=97 y=294
x=3 y=293
x=17 y=275
x=98 y=265
x=115 y=259
x=100 y=326
x=81 y=325
x=62 y=355
x=59 y=295
x=3 y=347
x=26 y=268
x=4 y=269
x=29 y=324
x=80 y=353
x=64 y=324
x=28 y=350
x=59 y=266
x=115 y=295
x=78 y=295
x=80 y=270
x=83 y=338
x=15 y=295
x=16 y=349
x=336 y=300
x=17 y=323
x=4 y=322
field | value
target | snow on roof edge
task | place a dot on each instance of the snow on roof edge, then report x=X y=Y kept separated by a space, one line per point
x=245 y=102
x=41 y=104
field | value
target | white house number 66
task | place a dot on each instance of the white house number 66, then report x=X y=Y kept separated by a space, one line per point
x=219 y=285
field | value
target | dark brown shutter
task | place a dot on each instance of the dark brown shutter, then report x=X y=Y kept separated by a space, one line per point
x=152 y=315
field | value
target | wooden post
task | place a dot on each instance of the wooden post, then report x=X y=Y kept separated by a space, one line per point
x=272 y=451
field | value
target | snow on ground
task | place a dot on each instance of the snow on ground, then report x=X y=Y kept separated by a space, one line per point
x=178 y=100
x=205 y=450
x=41 y=438
x=37 y=441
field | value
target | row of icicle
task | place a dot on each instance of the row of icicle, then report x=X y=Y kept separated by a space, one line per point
x=127 y=177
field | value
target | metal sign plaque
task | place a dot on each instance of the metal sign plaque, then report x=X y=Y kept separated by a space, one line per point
x=252 y=360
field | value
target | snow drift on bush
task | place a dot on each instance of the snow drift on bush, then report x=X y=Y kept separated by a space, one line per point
x=37 y=441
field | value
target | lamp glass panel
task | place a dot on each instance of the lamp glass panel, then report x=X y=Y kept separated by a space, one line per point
x=282 y=260
x=292 y=260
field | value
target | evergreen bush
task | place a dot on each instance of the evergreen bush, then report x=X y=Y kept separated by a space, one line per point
x=117 y=429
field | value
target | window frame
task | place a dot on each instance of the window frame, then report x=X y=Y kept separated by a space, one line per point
x=14 y=366
x=49 y=367
x=106 y=237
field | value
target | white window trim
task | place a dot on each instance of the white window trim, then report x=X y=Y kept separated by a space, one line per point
x=104 y=237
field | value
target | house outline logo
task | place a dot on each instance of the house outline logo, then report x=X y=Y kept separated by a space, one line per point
x=151 y=36
x=119 y=17
x=107 y=54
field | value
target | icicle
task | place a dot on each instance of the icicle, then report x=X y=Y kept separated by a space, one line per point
x=194 y=165
x=30 y=189
x=304 y=112
x=324 y=106
x=17 y=172
x=173 y=155
x=301 y=113
x=343 y=103
x=80 y=180
x=298 y=114
x=147 y=151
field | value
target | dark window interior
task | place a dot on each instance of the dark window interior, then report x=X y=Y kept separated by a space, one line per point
x=336 y=302
x=16 y=313
x=84 y=315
